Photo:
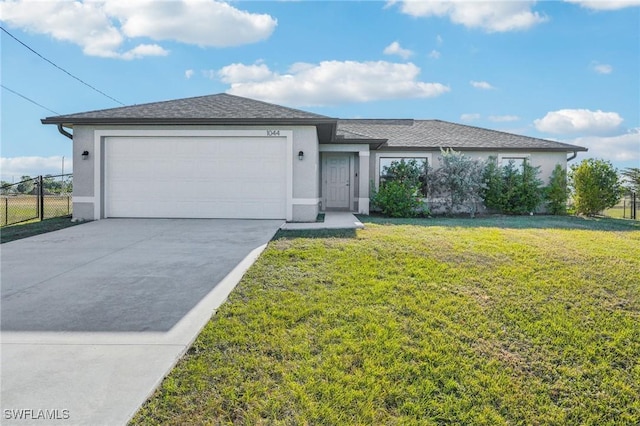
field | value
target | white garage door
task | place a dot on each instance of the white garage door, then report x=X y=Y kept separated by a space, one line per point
x=195 y=177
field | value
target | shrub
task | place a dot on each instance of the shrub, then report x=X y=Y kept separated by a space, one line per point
x=531 y=191
x=596 y=186
x=492 y=190
x=399 y=195
x=458 y=182
x=508 y=190
x=557 y=192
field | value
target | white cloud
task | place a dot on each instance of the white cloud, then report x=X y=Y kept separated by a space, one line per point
x=240 y=73
x=490 y=16
x=434 y=54
x=329 y=82
x=395 y=49
x=567 y=121
x=202 y=22
x=503 y=118
x=102 y=27
x=470 y=117
x=84 y=24
x=189 y=73
x=439 y=40
x=601 y=68
x=15 y=167
x=143 y=50
x=605 y=4
x=619 y=148
x=482 y=85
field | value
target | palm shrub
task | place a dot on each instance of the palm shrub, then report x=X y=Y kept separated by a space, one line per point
x=399 y=193
x=557 y=192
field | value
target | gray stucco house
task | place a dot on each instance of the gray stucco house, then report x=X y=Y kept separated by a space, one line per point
x=224 y=156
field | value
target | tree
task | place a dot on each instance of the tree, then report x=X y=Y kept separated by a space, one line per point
x=596 y=186
x=557 y=192
x=458 y=182
x=52 y=185
x=492 y=189
x=6 y=188
x=530 y=190
x=26 y=185
x=632 y=176
x=399 y=193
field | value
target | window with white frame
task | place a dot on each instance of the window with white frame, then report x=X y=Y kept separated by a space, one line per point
x=516 y=159
x=421 y=162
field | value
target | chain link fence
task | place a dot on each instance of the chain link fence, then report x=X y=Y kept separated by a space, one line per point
x=38 y=198
x=627 y=208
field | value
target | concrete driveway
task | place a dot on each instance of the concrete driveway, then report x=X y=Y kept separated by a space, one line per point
x=94 y=316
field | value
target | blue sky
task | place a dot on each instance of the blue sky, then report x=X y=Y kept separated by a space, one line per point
x=566 y=71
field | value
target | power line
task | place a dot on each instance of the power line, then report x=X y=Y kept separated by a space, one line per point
x=28 y=99
x=60 y=68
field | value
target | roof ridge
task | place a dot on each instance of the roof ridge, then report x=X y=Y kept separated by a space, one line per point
x=269 y=103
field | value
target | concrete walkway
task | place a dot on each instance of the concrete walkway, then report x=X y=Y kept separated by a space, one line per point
x=332 y=220
x=94 y=316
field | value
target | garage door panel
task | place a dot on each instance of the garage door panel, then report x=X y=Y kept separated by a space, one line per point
x=196 y=177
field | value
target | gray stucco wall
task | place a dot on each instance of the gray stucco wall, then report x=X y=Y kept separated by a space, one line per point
x=83 y=182
x=305 y=182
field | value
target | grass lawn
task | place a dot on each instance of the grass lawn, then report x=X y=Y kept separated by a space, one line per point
x=29 y=229
x=19 y=208
x=450 y=321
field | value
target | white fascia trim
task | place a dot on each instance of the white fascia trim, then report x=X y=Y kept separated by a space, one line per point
x=100 y=135
x=306 y=201
x=83 y=199
x=344 y=148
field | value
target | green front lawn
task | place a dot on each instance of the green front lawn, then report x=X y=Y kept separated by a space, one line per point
x=485 y=321
x=29 y=229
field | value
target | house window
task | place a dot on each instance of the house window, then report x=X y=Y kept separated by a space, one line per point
x=516 y=160
x=422 y=163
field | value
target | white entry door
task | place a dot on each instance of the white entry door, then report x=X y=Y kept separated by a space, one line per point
x=337 y=176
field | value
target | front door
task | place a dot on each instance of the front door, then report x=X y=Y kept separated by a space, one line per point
x=337 y=179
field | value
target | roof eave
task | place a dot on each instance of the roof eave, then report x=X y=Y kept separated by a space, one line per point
x=71 y=121
x=468 y=148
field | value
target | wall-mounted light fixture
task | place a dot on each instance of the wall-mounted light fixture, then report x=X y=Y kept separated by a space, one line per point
x=85 y=155
x=300 y=155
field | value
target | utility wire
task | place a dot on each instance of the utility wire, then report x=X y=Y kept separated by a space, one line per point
x=60 y=68
x=28 y=99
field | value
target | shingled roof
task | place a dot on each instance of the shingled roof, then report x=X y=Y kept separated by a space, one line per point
x=438 y=134
x=214 y=109
x=223 y=108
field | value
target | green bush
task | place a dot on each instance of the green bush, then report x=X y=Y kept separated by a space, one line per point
x=509 y=190
x=458 y=182
x=492 y=190
x=399 y=193
x=557 y=192
x=396 y=199
x=596 y=186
